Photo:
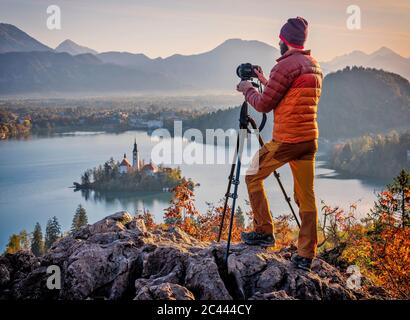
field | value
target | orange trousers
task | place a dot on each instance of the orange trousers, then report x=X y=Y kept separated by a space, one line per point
x=301 y=158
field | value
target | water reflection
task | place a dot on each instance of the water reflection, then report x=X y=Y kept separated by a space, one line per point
x=126 y=199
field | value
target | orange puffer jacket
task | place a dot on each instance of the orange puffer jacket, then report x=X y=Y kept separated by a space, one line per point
x=293 y=91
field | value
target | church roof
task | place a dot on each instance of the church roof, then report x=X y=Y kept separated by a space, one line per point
x=150 y=166
x=125 y=162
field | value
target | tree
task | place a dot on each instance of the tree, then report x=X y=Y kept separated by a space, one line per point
x=53 y=232
x=85 y=178
x=80 y=219
x=373 y=155
x=18 y=242
x=37 y=242
x=392 y=208
x=240 y=216
x=14 y=244
x=24 y=240
x=389 y=237
x=401 y=188
x=182 y=204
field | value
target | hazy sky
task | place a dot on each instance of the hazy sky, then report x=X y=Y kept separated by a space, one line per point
x=164 y=27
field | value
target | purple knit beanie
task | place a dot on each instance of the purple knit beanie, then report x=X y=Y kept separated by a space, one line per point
x=294 y=32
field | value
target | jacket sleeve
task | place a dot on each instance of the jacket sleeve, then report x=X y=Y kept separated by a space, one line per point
x=278 y=84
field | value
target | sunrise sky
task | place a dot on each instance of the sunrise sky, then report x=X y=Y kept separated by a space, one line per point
x=164 y=27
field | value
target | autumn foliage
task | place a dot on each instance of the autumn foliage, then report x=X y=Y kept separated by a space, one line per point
x=378 y=244
x=203 y=226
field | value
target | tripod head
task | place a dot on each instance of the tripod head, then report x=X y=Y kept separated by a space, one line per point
x=245 y=119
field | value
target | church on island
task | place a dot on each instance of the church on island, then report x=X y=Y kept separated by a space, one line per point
x=137 y=164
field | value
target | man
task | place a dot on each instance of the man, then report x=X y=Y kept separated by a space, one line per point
x=293 y=92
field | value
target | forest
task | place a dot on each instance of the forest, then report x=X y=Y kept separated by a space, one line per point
x=378 y=155
x=13 y=126
x=357 y=101
x=58 y=115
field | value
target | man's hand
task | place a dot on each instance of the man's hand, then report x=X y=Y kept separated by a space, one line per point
x=243 y=86
x=261 y=76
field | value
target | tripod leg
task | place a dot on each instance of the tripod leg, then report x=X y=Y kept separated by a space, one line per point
x=235 y=181
x=228 y=190
x=277 y=176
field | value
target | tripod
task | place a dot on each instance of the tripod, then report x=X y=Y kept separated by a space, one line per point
x=244 y=121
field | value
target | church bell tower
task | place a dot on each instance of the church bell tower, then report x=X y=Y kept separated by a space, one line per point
x=135 y=157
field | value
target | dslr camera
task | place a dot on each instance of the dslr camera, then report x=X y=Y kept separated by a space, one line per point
x=245 y=71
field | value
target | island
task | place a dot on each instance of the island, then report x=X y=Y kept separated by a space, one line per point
x=114 y=176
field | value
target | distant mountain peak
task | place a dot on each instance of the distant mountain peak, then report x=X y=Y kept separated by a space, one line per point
x=73 y=48
x=383 y=51
x=67 y=42
x=13 y=39
x=383 y=58
x=240 y=42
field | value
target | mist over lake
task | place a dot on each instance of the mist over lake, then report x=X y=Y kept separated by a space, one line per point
x=36 y=173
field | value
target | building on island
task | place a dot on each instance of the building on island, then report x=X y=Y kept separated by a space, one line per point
x=135 y=157
x=149 y=169
x=137 y=164
x=125 y=165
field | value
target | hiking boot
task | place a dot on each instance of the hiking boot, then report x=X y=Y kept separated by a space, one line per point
x=258 y=239
x=301 y=262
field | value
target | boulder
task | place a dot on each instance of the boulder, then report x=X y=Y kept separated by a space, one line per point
x=118 y=258
x=164 y=291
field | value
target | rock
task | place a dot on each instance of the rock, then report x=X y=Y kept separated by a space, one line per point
x=16 y=270
x=114 y=223
x=180 y=236
x=243 y=265
x=138 y=225
x=118 y=258
x=164 y=291
x=203 y=278
x=96 y=266
x=270 y=271
x=4 y=276
x=275 y=295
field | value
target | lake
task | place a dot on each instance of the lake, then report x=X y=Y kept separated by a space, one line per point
x=36 y=173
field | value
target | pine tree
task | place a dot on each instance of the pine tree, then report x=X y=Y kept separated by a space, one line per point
x=24 y=240
x=80 y=218
x=240 y=217
x=86 y=178
x=392 y=207
x=401 y=188
x=53 y=232
x=37 y=242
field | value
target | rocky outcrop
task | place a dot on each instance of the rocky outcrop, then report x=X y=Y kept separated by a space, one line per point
x=117 y=258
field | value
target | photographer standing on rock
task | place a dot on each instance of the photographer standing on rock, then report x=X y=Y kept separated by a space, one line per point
x=293 y=92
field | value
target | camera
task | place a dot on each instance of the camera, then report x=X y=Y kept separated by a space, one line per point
x=245 y=71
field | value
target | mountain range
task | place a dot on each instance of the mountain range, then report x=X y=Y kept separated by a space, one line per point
x=14 y=39
x=28 y=66
x=383 y=58
x=73 y=48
